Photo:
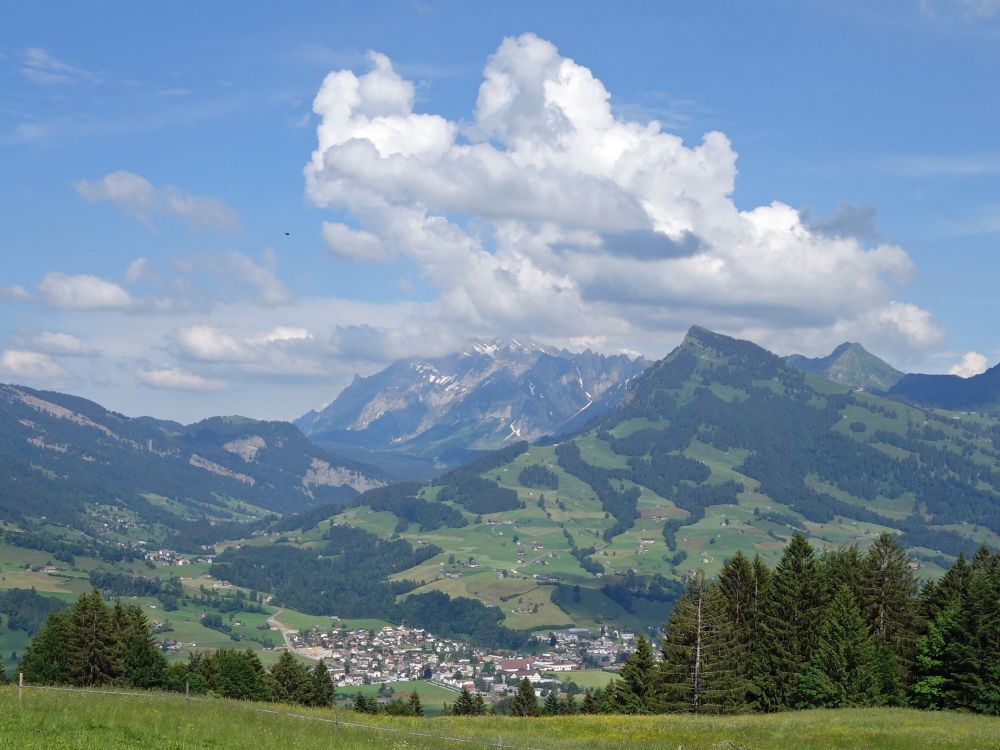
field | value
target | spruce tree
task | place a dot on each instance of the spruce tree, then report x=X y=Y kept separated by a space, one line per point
x=143 y=664
x=289 y=681
x=551 y=705
x=416 y=707
x=703 y=667
x=93 y=645
x=46 y=660
x=889 y=605
x=792 y=615
x=464 y=705
x=637 y=690
x=321 y=690
x=743 y=584
x=589 y=705
x=569 y=706
x=239 y=675
x=933 y=688
x=525 y=701
x=842 y=670
x=975 y=641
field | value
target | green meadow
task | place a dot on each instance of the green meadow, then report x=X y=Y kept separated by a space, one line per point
x=48 y=719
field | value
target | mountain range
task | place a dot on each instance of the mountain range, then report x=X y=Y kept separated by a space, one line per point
x=720 y=446
x=67 y=460
x=444 y=411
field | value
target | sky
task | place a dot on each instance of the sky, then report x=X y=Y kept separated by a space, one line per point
x=235 y=207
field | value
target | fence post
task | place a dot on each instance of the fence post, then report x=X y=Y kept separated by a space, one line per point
x=187 y=696
x=20 y=688
x=500 y=742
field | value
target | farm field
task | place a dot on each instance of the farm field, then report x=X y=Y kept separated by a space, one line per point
x=100 y=722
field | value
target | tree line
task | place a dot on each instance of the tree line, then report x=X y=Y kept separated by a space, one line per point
x=93 y=644
x=833 y=630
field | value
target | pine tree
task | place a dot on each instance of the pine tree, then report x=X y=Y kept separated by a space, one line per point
x=46 y=661
x=464 y=705
x=637 y=690
x=143 y=664
x=569 y=706
x=975 y=640
x=703 y=668
x=416 y=707
x=792 y=614
x=479 y=705
x=889 y=604
x=94 y=647
x=842 y=670
x=743 y=585
x=551 y=705
x=289 y=681
x=589 y=705
x=321 y=691
x=525 y=701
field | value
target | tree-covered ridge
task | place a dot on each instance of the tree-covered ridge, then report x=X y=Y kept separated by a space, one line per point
x=734 y=396
x=74 y=463
x=834 y=630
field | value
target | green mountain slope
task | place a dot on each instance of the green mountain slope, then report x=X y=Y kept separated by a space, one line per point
x=69 y=462
x=720 y=446
x=850 y=364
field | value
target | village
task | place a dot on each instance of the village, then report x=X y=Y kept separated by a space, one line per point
x=357 y=657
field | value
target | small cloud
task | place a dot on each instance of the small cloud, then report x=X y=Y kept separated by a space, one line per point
x=140 y=199
x=24 y=363
x=61 y=343
x=971 y=363
x=175 y=379
x=15 y=292
x=209 y=344
x=281 y=333
x=140 y=269
x=41 y=67
x=84 y=292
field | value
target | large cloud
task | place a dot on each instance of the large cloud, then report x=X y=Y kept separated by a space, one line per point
x=547 y=214
x=84 y=292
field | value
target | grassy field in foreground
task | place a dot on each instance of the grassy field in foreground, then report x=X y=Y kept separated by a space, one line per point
x=98 y=722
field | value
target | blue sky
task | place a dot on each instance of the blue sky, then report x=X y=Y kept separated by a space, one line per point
x=492 y=171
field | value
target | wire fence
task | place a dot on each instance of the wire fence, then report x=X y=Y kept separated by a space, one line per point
x=335 y=721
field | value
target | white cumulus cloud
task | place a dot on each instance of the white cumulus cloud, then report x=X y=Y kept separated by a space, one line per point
x=971 y=363
x=176 y=379
x=83 y=292
x=548 y=214
x=23 y=363
x=63 y=344
x=139 y=198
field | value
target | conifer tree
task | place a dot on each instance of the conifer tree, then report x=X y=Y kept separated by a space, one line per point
x=743 y=584
x=46 y=660
x=589 y=705
x=569 y=706
x=525 y=701
x=975 y=640
x=792 y=614
x=289 y=681
x=94 y=650
x=416 y=707
x=889 y=605
x=551 y=705
x=842 y=670
x=637 y=690
x=321 y=690
x=143 y=664
x=464 y=705
x=932 y=688
x=479 y=705
x=703 y=657
x=238 y=674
